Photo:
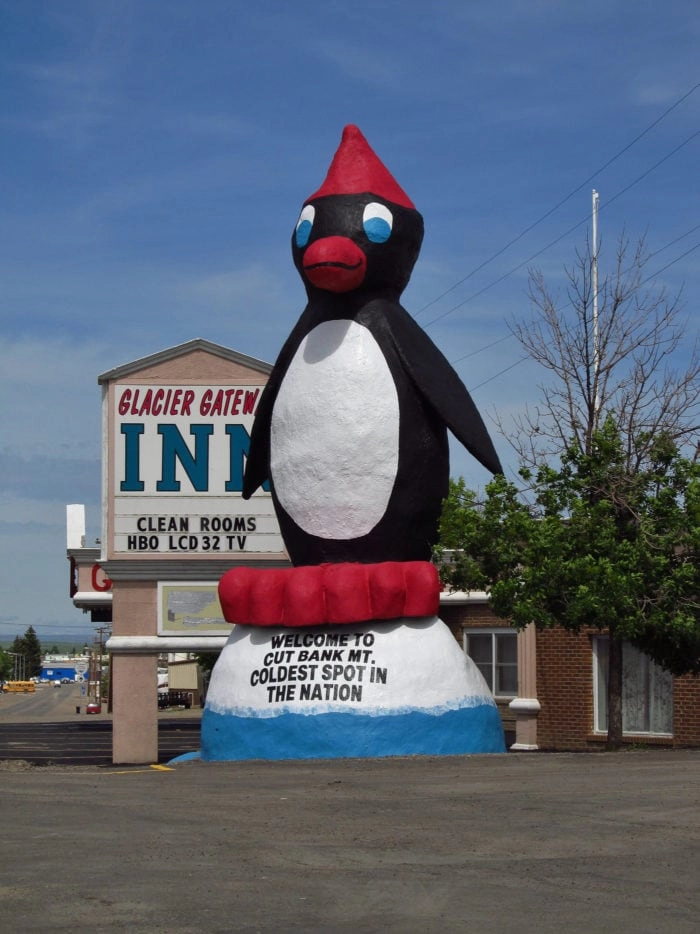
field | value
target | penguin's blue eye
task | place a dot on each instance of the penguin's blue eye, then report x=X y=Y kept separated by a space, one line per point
x=304 y=225
x=377 y=221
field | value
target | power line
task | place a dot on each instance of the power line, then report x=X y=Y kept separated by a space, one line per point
x=675 y=240
x=520 y=360
x=661 y=249
x=552 y=243
x=653 y=167
x=574 y=191
x=672 y=263
x=501 y=372
x=473 y=353
x=506 y=274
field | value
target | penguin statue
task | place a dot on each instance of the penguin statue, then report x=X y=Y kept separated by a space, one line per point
x=351 y=429
x=343 y=654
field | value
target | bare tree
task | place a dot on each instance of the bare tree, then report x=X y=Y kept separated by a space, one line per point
x=619 y=365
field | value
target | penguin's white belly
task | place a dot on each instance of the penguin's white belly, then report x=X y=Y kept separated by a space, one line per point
x=334 y=434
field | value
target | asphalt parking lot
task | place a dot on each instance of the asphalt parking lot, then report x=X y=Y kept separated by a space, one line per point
x=523 y=842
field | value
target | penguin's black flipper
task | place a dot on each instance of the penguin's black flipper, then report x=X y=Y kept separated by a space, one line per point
x=437 y=381
x=257 y=468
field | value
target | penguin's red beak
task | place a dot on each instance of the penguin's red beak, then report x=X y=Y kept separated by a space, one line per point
x=335 y=264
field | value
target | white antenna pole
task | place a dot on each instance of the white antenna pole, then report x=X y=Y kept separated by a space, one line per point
x=596 y=350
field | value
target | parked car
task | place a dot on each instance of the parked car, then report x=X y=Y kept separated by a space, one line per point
x=94 y=707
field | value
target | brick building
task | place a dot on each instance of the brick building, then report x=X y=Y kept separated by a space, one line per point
x=550 y=686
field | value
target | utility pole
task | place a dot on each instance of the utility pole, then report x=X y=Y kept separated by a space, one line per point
x=596 y=348
x=18 y=666
x=99 y=651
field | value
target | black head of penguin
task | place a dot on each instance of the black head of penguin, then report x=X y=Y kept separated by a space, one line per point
x=356 y=243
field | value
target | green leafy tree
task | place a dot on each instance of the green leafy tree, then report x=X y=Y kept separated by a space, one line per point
x=6 y=665
x=608 y=528
x=598 y=547
x=28 y=648
x=206 y=661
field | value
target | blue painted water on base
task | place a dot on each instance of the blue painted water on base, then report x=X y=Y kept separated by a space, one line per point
x=471 y=729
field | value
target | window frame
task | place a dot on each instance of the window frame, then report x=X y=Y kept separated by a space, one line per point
x=494 y=632
x=600 y=727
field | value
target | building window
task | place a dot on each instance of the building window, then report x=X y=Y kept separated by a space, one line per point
x=647 y=691
x=495 y=654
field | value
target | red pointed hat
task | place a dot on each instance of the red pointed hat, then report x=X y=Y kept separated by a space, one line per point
x=356 y=169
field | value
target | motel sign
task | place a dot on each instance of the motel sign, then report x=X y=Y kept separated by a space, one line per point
x=177 y=454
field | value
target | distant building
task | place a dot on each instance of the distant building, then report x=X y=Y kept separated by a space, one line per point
x=56 y=668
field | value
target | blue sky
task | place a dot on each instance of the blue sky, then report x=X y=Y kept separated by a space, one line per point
x=154 y=156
